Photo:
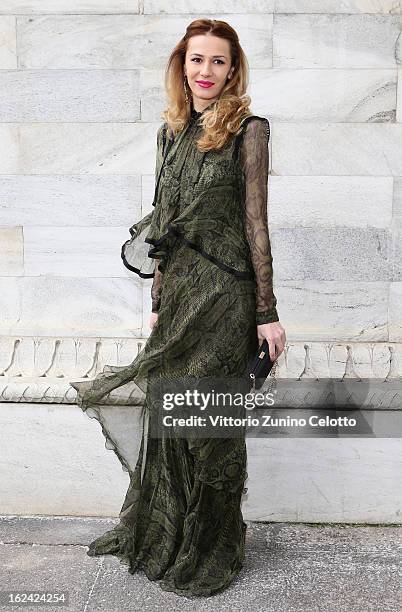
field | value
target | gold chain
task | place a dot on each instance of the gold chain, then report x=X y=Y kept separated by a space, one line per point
x=272 y=376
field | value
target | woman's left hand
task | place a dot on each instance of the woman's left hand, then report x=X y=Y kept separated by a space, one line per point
x=276 y=338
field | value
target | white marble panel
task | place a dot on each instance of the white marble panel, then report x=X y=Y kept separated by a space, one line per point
x=68 y=201
x=324 y=480
x=395 y=312
x=8 y=48
x=399 y=97
x=125 y=41
x=92 y=252
x=10 y=302
x=152 y=93
x=336 y=41
x=11 y=251
x=55 y=462
x=330 y=201
x=39 y=7
x=397 y=216
x=337 y=149
x=350 y=96
x=332 y=254
x=209 y=7
x=9 y=151
x=331 y=311
x=87 y=148
x=47 y=305
x=396 y=263
x=335 y=6
x=148 y=191
x=69 y=95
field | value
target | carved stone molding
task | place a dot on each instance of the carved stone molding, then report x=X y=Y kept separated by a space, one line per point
x=39 y=368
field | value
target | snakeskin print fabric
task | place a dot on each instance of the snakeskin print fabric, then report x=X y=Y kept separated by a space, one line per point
x=181 y=520
x=254 y=162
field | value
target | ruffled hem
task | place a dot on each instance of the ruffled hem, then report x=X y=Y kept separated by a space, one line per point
x=133 y=268
x=119 y=543
x=134 y=252
x=115 y=542
x=167 y=584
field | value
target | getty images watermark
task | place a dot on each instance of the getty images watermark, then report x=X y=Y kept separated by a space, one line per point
x=225 y=407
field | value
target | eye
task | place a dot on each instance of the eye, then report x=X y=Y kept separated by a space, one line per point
x=217 y=60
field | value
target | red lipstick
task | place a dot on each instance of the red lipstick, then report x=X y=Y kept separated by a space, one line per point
x=205 y=83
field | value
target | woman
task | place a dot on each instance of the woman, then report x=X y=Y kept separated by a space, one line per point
x=206 y=245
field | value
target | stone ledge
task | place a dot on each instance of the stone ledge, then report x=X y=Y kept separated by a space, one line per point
x=38 y=368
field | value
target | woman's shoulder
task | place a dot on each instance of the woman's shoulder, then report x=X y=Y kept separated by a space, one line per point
x=256 y=126
x=254 y=121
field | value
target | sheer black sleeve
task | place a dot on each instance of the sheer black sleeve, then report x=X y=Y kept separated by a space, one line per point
x=156 y=288
x=255 y=163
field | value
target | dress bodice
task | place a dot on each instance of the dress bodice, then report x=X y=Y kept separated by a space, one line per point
x=216 y=202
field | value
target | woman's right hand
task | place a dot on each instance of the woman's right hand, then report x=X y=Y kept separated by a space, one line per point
x=153 y=319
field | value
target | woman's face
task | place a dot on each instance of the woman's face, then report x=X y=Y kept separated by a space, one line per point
x=207 y=60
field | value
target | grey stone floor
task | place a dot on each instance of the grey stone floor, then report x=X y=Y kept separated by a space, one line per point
x=289 y=567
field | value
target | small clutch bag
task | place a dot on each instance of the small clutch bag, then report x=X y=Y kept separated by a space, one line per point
x=259 y=367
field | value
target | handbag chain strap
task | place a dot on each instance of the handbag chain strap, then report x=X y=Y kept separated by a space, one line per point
x=272 y=377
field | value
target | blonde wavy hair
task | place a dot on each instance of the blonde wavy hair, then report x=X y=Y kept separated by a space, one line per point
x=223 y=120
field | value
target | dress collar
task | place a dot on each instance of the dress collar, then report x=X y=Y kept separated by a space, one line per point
x=196 y=114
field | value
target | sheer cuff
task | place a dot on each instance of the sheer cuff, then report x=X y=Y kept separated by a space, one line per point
x=267 y=316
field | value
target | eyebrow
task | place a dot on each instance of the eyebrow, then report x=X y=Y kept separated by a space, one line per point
x=212 y=55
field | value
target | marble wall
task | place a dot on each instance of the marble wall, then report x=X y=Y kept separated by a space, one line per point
x=54 y=462
x=81 y=97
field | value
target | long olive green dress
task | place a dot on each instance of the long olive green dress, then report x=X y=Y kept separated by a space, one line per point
x=181 y=520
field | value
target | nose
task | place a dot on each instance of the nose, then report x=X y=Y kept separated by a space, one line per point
x=205 y=71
